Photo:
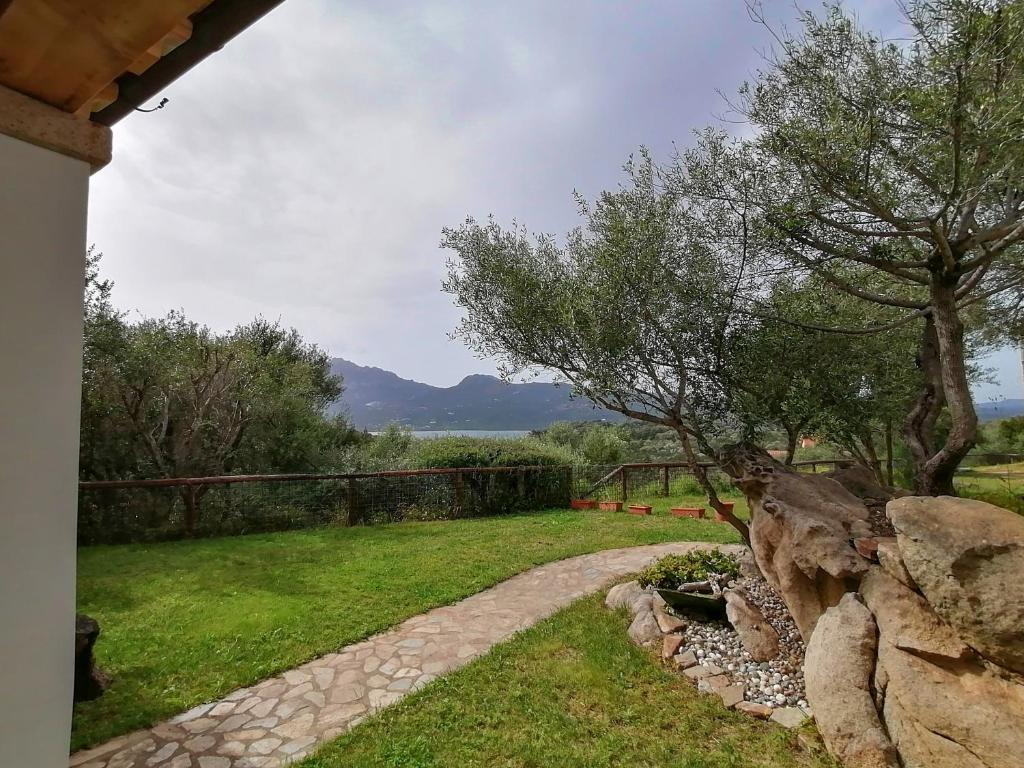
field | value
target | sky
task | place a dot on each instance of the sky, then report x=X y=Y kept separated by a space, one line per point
x=304 y=172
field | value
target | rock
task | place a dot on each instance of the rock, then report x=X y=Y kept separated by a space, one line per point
x=967 y=558
x=891 y=560
x=945 y=713
x=732 y=695
x=700 y=671
x=838 y=670
x=667 y=622
x=670 y=646
x=757 y=635
x=748 y=565
x=867 y=547
x=801 y=528
x=90 y=681
x=788 y=717
x=713 y=683
x=644 y=630
x=686 y=660
x=622 y=595
x=754 y=709
x=860 y=481
x=906 y=620
x=642 y=604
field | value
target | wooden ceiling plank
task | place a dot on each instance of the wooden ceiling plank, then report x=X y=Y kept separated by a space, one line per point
x=64 y=52
x=182 y=32
x=102 y=100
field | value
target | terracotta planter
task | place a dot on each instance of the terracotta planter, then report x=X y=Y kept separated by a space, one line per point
x=583 y=504
x=719 y=516
x=640 y=509
x=611 y=506
x=697 y=513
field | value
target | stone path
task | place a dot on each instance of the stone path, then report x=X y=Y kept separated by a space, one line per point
x=283 y=719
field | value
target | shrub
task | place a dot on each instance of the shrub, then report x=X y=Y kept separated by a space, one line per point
x=672 y=570
x=455 y=451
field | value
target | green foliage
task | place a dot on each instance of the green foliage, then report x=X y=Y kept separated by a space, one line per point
x=457 y=451
x=599 y=443
x=672 y=570
x=636 y=310
x=1011 y=435
x=169 y=397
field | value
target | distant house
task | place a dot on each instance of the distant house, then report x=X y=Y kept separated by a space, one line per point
x=808 y=442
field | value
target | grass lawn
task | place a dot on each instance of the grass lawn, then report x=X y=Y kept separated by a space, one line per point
x=571 y=691
x=188 y=622
x=999 y=469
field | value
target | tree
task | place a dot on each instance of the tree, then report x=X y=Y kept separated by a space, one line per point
x=893 y=172
x=168 y=397
x=638 y=310
x=849 y=390
x=105 y=448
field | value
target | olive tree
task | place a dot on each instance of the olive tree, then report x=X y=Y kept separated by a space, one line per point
x=849 y=390
x=892 y=170
x=638 y=310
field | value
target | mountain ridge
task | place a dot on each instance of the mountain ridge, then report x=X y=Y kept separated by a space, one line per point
x=375 y=397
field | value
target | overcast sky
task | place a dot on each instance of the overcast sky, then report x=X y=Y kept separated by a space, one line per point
x=305 y=171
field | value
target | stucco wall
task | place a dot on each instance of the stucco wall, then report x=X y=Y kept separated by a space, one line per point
x=43 y=198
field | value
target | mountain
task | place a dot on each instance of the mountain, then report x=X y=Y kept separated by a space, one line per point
x=374 y=398
x=1000 y=409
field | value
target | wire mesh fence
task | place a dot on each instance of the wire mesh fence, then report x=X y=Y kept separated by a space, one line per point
x=153 y=510
x=115 y=512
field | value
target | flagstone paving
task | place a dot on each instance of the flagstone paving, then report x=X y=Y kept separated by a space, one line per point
x=283 y=719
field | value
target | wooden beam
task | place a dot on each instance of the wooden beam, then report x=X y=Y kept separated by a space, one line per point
x=213 y=28
x=182 y=32
x=103 y=99
x=65 y=52
x=27 y=119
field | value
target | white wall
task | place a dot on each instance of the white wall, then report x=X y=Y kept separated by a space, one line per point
x=43 y=198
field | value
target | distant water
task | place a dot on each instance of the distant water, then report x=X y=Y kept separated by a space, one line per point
x=469 y=432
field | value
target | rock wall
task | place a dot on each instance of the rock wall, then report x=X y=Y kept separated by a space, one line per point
x=801 y=530
x=913 y=612
x=945 y=604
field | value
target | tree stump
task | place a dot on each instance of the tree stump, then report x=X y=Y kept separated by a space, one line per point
x=90 y=681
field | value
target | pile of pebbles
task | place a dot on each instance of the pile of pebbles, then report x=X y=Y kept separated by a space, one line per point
x=775 y=683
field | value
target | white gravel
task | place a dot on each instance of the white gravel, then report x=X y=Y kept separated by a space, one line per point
x=775 y=683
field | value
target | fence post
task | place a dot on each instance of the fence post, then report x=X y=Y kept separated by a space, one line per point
x=353 y=514
x=457 y=482
x=625 y=488
x=569 y=490
x=664 y=481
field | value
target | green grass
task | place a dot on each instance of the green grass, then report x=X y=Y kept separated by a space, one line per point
x=1003 y=491
x=999 y=468
x=188 y=622
x=571 y=691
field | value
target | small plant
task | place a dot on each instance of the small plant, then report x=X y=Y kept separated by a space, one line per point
x=672 y=570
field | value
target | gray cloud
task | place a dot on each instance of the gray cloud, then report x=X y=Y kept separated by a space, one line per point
x=305 y=171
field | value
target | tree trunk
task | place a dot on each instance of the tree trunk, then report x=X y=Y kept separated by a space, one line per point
x=792 y=440
x=919 y=427
x=873 y=462
x=700 y=472
x=888 y=452
x=936 y=477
